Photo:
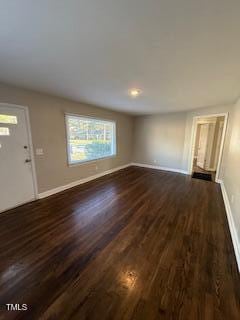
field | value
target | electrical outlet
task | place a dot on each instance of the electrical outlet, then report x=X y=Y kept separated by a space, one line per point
x=155 y=161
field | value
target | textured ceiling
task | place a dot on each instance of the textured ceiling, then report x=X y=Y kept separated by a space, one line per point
x=182 y=54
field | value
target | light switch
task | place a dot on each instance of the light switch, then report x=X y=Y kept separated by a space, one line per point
x=39 y=152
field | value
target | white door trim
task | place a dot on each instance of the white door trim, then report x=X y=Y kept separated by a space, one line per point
x=34 y=175
x=193 y=140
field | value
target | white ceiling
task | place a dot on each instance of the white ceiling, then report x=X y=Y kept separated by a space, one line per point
x=183 y=54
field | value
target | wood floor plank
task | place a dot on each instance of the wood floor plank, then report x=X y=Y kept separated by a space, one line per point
x=136 y=244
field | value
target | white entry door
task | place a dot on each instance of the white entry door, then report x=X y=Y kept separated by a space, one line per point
x=16 y=173
x=202 y=147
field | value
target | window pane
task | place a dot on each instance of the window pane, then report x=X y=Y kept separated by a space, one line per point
x=5 y=118
x=90 y=139
x=4 y=131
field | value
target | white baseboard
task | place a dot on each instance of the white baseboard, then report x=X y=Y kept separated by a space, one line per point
x=78 y=182
x=231 y=224
x=159 y=168
x=81 y=181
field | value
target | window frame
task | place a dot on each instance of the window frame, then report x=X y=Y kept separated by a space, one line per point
x=81 y=162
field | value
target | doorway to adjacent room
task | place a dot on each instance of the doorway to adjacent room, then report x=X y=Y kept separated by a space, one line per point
x=208 y=138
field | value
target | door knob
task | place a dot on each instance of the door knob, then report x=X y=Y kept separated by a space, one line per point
x=28 y=160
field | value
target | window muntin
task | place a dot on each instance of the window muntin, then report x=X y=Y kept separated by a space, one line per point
x=89 y=138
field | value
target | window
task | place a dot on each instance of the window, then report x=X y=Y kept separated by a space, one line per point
x=89 y=139
x=5 y=118
x=4 y=131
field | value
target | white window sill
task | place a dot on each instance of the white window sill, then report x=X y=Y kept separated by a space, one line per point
x=80 y=163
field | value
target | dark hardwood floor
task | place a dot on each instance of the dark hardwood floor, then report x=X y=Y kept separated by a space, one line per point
x=136 y=244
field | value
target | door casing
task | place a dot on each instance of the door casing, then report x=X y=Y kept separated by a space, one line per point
x=193 y=139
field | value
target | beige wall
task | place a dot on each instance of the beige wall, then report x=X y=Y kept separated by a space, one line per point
x=166 y=138
x=48 y=132
x=231 y=175
x=159 y=139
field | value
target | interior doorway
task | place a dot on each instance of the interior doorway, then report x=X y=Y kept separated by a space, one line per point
x=208 y=139
x=17 y=171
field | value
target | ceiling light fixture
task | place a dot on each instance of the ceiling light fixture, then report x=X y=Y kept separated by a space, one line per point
x=135 y=92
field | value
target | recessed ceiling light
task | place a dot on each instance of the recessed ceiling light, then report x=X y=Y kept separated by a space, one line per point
x=135 y=92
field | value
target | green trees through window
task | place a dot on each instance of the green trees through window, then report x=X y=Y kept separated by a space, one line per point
x=89 y=139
